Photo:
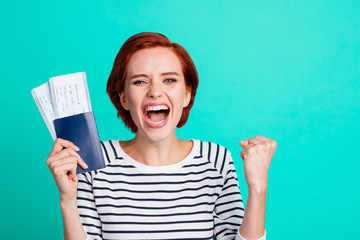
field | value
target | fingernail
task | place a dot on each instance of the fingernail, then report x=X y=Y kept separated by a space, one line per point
x=76 y=148
x=86 y=166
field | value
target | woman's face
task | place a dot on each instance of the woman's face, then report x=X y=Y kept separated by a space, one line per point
x=155 y=92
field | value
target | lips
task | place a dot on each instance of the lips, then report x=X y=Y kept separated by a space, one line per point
x=156 y=114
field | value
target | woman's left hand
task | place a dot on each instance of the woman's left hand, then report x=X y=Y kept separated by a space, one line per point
x=257 y=154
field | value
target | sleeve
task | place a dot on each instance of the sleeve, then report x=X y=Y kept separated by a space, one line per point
x=229 y=208
x=239 y=237
x=86 y=206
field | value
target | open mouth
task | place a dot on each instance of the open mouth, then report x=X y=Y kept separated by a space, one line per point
x=156 y=115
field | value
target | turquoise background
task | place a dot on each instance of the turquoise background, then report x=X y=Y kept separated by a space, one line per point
x=288 y=70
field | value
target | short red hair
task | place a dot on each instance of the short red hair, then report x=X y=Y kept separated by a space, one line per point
x=116 y=82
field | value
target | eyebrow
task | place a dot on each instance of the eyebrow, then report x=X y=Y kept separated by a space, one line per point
x=170 y=73
x=146 y=76
x=139 y=75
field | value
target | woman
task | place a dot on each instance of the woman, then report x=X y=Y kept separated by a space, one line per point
x=156 y=186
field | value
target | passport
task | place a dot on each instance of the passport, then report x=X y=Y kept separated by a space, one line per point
x=64 y=104
x=82 y=131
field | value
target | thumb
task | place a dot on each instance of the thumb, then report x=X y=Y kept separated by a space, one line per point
x=244 y=143
x=74 y=179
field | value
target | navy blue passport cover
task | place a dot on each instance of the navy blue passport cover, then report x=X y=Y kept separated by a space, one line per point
x=82 y=131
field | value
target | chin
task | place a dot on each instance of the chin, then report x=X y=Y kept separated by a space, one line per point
x=159 y=134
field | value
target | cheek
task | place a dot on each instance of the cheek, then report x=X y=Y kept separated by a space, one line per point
x=133 y=101
x=132 y=95
x=179 y=96
x=130 y=100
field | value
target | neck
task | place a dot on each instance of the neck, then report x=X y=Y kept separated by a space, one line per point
x=156 y=153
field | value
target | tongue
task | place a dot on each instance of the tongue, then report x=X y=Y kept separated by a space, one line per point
x=157 y=116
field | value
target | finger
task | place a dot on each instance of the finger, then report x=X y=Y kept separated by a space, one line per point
x=75 y=179
x=262 y=138
x=82 y=163
x=71 y=153
x=60 y=144
x=64 y=169
x=250 y=145
x=272 y=143
x=255 y=140
x=67 y=153
x=243 y=155
x=63 y=161
x=244 y=143
x=57 y=167
x=72 y=176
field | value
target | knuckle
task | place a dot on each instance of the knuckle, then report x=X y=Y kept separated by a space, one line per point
x=263 y=147
x=57 y=171
x=69 y=152
x=48 y=161
x=52 y=167
x=251 y=150
x=51 y=164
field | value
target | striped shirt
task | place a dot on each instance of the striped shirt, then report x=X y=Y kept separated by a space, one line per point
x=196 y=198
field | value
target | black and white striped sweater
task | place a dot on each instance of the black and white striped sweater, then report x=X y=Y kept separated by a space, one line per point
x=196 y=198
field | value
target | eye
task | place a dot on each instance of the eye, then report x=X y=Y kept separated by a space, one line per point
x=170 y=80
x=138 y=82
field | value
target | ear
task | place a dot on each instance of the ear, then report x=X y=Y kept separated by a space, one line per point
x=187 y=97
x=123 y=101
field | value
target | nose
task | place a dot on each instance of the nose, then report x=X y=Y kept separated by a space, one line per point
x=155 y=90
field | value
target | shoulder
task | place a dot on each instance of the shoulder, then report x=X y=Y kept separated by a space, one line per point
x=218 y=155
x=111 y=150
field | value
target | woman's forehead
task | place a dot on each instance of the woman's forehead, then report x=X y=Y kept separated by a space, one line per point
x=156 y=60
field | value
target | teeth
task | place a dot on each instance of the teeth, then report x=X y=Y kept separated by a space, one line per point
x=148 y=119
x=157 y=108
